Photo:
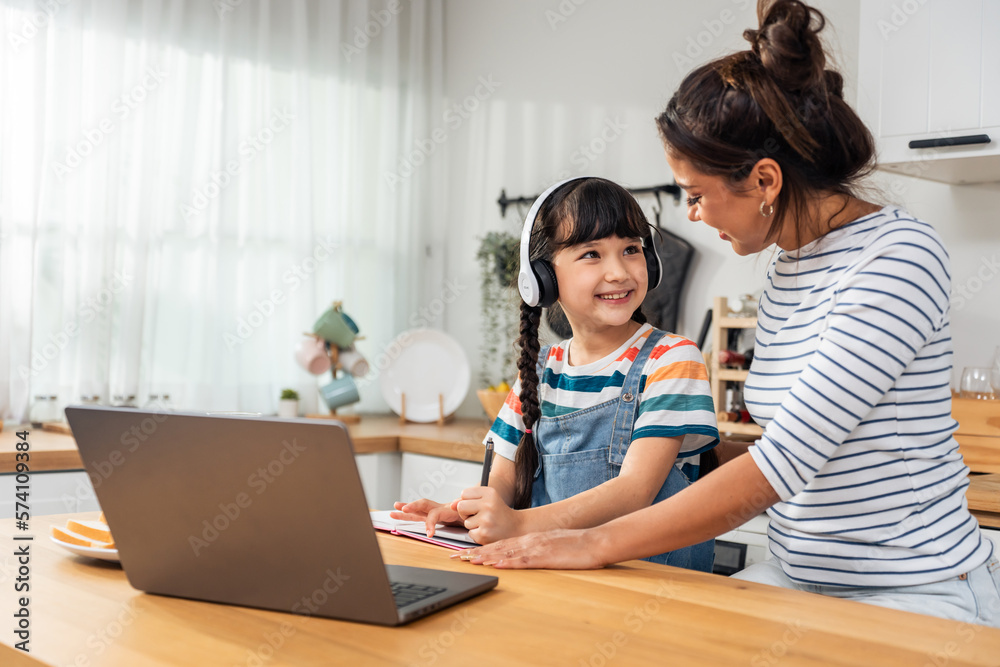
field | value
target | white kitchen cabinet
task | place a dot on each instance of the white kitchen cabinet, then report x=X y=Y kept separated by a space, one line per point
x=380 y=478
x=50 y=493
x=929 y=86
x=439 y=479
x=753 y=534
x=71 y=491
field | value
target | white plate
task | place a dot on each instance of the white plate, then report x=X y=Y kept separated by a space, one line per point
x=428 y=363
x=102 y=554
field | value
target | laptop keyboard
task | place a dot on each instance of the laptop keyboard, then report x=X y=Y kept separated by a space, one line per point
x=409 y=593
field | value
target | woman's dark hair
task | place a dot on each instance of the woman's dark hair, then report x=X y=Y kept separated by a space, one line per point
x=577 y=212
x=776 y=100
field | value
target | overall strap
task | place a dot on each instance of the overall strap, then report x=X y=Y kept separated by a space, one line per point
x=628 y=404
x=543 y=357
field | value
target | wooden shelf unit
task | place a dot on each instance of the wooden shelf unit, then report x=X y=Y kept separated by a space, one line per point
x=718 y=376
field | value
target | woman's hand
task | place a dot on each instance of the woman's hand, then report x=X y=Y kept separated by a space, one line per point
x=487 y=516
x=554 y=550
x=428 y=511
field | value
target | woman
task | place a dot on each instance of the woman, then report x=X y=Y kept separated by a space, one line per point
x=857 y=468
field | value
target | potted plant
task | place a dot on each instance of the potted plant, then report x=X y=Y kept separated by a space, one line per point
x=499 y=317
x=288 y=405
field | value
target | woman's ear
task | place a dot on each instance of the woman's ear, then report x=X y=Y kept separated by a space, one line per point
x=766 y=178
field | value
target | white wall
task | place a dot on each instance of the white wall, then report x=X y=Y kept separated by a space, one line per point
x=563 y=73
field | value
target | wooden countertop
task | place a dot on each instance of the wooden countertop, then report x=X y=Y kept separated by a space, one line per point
x=458 y=439
x=978 y=433
x=983 y=495
x=83 y=612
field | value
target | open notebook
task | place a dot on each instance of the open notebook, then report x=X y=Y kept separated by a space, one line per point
x=451 y=537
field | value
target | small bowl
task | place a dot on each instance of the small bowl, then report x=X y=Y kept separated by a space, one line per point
x=492 y=401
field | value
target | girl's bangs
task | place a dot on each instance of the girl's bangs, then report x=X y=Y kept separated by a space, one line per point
x=596 y=209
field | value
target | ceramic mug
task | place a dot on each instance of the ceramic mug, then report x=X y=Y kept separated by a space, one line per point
x=352 y=362
x=312 y=355
x=336 y=327
x=342 y=391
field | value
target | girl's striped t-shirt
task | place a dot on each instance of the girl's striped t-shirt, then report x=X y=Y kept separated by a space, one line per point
x=675 y=399
x=851 y=381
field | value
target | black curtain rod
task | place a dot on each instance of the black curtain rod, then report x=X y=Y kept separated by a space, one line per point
x=670 y=189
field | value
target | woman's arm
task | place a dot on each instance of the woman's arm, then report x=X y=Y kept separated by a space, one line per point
x=644 y=469
x=732 y=495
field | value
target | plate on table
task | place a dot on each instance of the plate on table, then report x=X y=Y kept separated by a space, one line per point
x=90 y=552
x=429 y=363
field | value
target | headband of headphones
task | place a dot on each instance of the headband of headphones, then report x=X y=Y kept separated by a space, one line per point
x=527 y=281
x=528 y=285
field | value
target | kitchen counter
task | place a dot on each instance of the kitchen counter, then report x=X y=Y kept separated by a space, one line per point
x=459 y=439
x=84 y=612
x=983 y=495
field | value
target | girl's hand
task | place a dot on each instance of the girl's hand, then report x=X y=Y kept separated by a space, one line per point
x=428 y=511
x=554 y=550
x=487 y=516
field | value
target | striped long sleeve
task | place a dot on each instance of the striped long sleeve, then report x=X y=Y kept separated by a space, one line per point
x=851 y=380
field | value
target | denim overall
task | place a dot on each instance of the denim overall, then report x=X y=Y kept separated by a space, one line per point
x=583 y=449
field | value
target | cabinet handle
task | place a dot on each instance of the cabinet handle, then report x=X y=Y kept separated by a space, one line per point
x=967 y=140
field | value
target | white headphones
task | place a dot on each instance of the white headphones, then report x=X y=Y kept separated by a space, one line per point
x=536 y=280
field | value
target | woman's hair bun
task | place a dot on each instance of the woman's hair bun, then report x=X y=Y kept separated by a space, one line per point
x=788 y=45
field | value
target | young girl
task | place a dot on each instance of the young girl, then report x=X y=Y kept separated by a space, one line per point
x=593 y=427
x=851 y=372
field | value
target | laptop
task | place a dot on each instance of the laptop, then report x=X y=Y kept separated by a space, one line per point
x=253 y=511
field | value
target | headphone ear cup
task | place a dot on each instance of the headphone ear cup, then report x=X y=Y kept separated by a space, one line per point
x=653 y=269
x=548 y=288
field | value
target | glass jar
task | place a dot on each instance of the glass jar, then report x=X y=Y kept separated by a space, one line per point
x=44 y=408
x=124 y=401
x=158 y=403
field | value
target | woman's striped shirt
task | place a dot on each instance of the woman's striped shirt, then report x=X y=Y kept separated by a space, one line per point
x=675 y=399
x=851 y=381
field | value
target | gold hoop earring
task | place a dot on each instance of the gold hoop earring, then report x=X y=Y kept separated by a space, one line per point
x=770 y=209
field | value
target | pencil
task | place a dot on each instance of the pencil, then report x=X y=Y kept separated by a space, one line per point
x=487 y=463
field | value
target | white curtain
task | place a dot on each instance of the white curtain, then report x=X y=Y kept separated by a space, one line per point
x=185 y=185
